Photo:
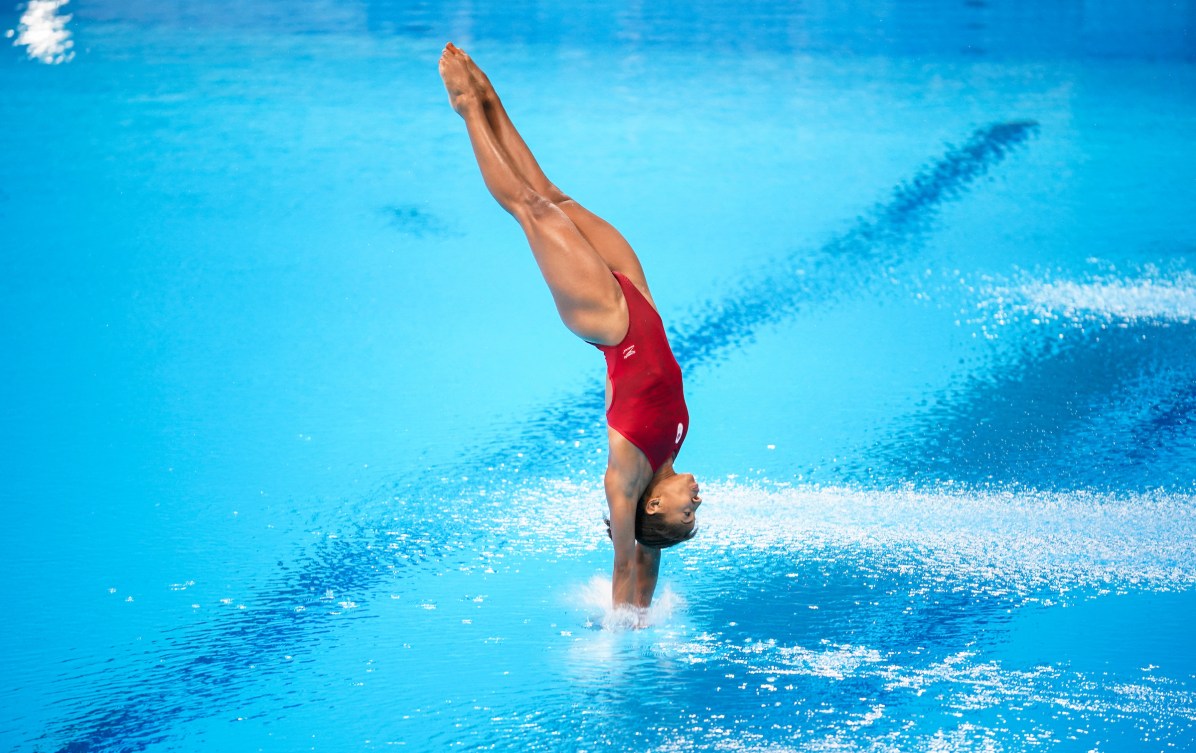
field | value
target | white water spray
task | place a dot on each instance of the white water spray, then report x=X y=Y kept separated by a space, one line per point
x=43 y=33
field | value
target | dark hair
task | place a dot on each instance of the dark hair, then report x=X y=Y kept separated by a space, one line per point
x=652 y=530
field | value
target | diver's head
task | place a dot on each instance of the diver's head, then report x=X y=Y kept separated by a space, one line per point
x=667 y=512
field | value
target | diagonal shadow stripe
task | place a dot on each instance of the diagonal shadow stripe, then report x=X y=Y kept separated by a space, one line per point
x=1059 y=417
x=799 y=279
x=201 y=667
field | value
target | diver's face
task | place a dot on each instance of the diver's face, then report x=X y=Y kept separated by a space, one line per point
x=679 y=500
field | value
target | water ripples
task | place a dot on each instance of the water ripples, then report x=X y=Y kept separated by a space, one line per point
x=906 y=582
x=1086 y=383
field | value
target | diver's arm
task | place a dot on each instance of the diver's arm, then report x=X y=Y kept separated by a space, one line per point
x=627 y=474
x=622 y=535
x=647 y=569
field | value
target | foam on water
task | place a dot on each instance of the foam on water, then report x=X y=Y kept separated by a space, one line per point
x=924 y=707
x=1144 y=295
x=43 y=33
x=1022 y=540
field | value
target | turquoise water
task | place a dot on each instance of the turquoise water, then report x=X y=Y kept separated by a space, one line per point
x=298 y=456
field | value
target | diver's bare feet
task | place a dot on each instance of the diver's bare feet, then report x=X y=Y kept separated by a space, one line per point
x=457 y=81
x=481 y=82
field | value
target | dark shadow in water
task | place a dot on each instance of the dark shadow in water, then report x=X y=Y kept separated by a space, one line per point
x=1107 y=409
x=291 y=614
x=414 y=220
x=1170 y=422
x=881 y=237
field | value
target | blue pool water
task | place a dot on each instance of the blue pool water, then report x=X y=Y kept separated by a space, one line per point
x=296 y=455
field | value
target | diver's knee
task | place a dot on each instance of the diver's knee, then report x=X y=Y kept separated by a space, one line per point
x=537 y=214
x=539 y=207
x=529 y=207
x=557 y=196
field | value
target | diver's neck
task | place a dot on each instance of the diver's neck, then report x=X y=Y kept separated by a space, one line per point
x=664 y=471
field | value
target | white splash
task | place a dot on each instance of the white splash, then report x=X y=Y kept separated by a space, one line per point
x=1025 y=541
x=42 y=31
x=1147 y=296
x=595 y=600
x=1173 y=299
x=1018 y=542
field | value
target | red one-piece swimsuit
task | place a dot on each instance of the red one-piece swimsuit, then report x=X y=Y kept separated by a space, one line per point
x=647 y=402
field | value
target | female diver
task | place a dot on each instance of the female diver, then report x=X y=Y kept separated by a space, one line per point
x=601 y=295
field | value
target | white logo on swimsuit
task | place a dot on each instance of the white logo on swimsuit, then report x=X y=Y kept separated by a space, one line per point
x=680 y=431
x=628 y=352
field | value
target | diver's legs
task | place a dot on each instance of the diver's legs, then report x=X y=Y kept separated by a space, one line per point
x=587 y=297
x=521 y=158
x=605 y=239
